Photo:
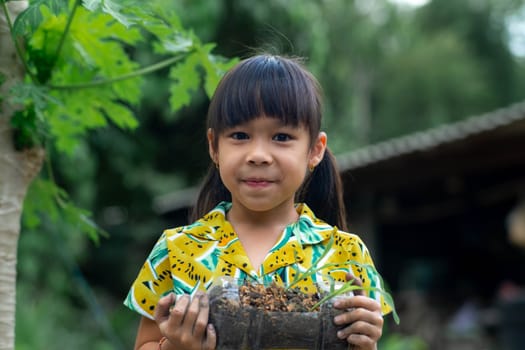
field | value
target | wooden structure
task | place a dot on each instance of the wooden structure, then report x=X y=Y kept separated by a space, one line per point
x=437 y=202
x=434 y=207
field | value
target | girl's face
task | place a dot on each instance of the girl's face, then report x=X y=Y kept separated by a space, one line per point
x=264 y=162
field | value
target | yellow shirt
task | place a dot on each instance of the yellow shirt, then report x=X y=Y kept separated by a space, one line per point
x=190 y=257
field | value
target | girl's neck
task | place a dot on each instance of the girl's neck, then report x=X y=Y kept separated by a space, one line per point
x=280 y=216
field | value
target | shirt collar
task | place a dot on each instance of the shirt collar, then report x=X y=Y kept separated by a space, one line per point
x=308 y=229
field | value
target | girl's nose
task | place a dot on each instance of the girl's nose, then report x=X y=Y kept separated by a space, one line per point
x=259 y=154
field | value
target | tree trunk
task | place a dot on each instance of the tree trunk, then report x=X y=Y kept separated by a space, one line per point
x=17 y=170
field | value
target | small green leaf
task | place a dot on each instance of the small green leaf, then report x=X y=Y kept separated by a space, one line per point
x=31 y=17
x=117 y=10
x=27 y=94
x=185 y=81
x=120 y=115
x=45 y=198
x=80 y=219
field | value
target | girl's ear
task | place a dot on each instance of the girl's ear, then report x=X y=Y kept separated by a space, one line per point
x=213 y=153
x=318 y=149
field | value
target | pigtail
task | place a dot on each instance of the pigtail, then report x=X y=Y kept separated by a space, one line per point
x=323 y=192
x=211 y=193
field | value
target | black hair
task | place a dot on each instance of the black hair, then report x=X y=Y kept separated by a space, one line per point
x=277 y=87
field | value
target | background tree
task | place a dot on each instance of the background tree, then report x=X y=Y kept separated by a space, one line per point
x=67 y=69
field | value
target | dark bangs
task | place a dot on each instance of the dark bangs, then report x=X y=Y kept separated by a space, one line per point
x=267 y=85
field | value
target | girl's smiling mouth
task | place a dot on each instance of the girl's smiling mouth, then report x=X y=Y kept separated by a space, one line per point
x=257 y=182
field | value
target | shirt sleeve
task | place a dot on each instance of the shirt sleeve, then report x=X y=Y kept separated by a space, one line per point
x=363 y=268
x=153 y=281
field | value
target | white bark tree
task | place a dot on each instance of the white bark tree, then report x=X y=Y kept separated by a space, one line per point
x=116 y=76
x=17 y=170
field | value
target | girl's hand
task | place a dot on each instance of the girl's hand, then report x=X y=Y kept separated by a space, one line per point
x=186 y=325
x=363 y=319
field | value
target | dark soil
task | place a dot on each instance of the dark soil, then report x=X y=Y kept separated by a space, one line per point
x=276 y=298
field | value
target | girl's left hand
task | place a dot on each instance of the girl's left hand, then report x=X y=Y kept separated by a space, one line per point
x=363 y=319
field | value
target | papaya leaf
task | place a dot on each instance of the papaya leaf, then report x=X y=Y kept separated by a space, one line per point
x=31 y=17
x=24 y=94
x=120 y=115
x=117 y=10
x=215 y=67
x=185 y=80
x=80 y=219
x=44 y=42
x=74 y=117
x=45 y=198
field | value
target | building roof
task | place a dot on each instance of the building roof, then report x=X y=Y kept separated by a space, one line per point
x=422 y=141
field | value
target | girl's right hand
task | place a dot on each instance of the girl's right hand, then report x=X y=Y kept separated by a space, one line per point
x=186 y=324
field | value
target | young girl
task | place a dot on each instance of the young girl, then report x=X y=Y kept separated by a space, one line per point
x=254 y=218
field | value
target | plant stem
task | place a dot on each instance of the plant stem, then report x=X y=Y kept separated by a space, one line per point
x=139 y=72
x=65 y=33
x=16 y=42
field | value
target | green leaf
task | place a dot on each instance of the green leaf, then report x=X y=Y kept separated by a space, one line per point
x=27 y=94
x=120 y=115
x=44 y=42
x=74 y=117
x=215 y=67
x=42 y=197
x=31 y=17
x=185 y=80
x=80 y=219
x=118 y=10
x=45 y=198
x=314 y=267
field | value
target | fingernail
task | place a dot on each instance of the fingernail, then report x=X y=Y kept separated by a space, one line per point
x=203 y=300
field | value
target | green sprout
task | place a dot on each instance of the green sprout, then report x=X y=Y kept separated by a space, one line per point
x=348 y=286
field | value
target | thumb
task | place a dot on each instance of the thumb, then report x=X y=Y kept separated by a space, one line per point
x=356 y=282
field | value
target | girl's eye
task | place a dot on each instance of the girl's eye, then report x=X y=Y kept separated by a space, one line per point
x=239 y=135
x=282 y=137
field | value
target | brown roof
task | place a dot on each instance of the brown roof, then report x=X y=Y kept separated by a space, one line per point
x=422 y=141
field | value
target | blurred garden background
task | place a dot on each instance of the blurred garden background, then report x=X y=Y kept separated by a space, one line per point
x=395 y=75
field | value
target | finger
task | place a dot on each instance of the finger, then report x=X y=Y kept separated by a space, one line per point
x=178 y=312
x=357 y=282
x=199 y=329
x=191 y=313
x=361 y=301
x=358 y=301
x=364 y=329
x=162 y=310
x=361 y=341
x=210 y=342
x=358 y=308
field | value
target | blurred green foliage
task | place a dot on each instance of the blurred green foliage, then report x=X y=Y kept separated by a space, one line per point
x=385 y=71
